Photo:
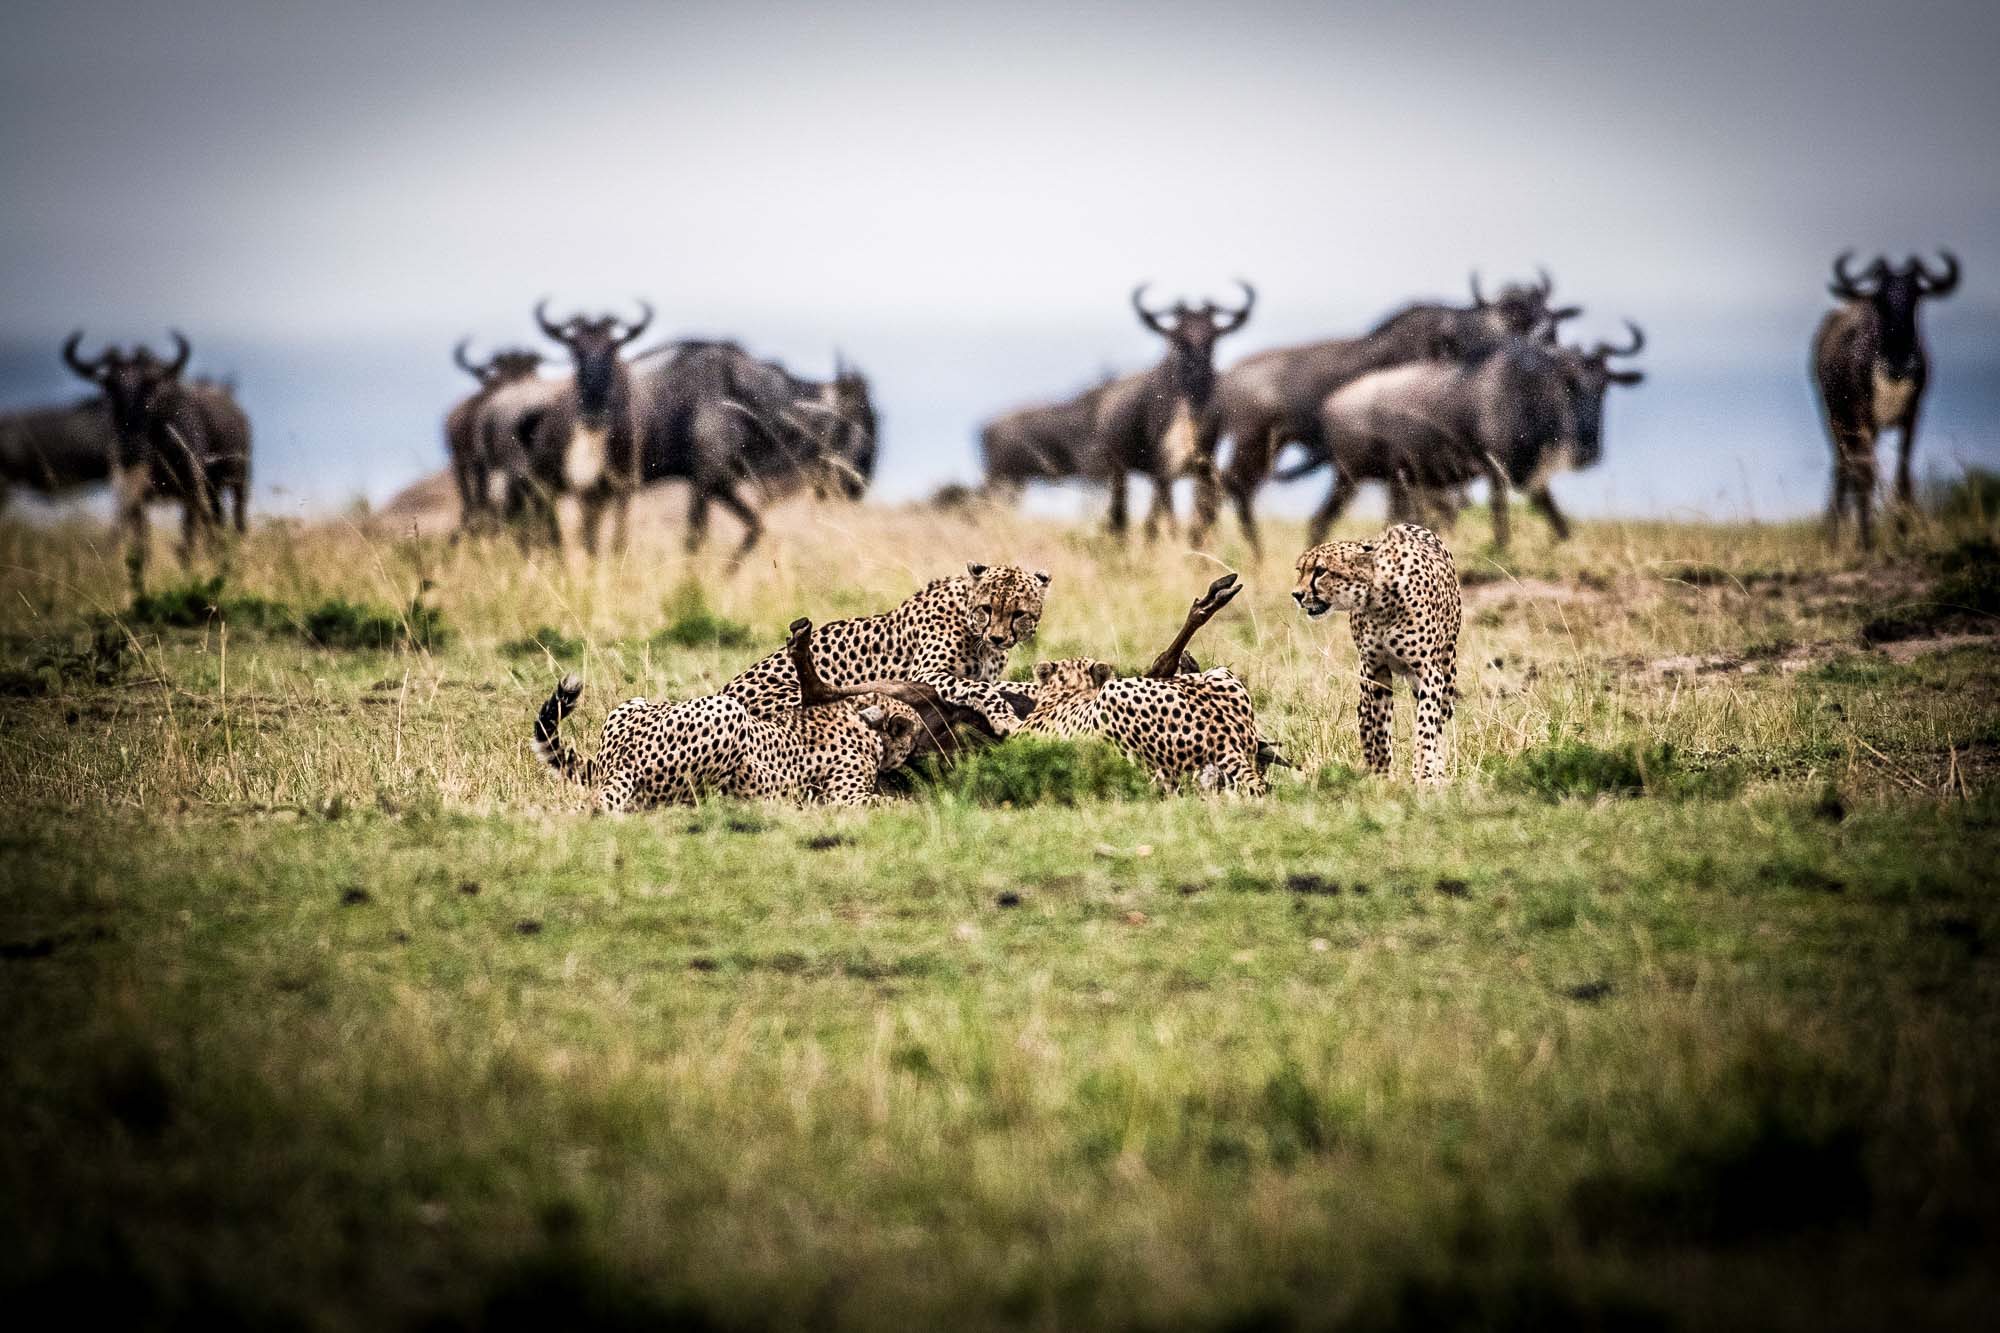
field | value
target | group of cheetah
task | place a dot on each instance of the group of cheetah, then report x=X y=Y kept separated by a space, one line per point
x=821 y=719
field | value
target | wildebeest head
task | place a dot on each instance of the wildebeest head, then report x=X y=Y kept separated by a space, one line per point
x=1191 y=331
x=1587 y=375
x=1894 y=293
x=503 y=367
x=1523 y=307
x=135 y=385
x=594 y=345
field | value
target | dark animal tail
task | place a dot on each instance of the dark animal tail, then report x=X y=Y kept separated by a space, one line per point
x=550 y=747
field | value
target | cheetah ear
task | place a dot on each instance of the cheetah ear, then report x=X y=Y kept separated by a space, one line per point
x=1042 y=577
x=974 y=568
x=1044 y=671
x=1100 y=672
x=898 y=726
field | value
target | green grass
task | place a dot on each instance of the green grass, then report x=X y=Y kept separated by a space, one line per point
x=322 y=1005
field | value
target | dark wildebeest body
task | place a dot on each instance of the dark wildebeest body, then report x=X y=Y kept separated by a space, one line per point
x=472 y=469
x=586 y=440
x=723 y=420
x=56 y=450
x=1868 y=360
x=1514 y=417
x=1273 y=398
x=171 y=440
x=1164 y=422
x=1047 y=442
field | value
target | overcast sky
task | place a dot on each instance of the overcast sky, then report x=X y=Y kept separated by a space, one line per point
x=305 y=168
x=267 y=174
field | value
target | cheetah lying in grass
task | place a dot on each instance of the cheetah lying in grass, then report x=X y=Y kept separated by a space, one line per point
x=1401 y=595
x=1176 y=719
x=829 y=747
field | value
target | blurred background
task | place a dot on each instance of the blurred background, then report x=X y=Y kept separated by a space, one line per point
x=325 y=197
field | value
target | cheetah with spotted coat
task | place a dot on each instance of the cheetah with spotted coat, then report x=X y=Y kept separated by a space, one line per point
x=1198 y=723
x=658 y=753
x=1401 y=595
x=953 y=635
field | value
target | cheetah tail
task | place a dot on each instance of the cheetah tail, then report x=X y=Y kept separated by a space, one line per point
x=550 y=747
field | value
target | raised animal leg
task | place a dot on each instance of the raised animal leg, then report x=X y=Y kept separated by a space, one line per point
x=1435 y=694
x=1219 y=594
x=1373 y=714
x=1545 y=504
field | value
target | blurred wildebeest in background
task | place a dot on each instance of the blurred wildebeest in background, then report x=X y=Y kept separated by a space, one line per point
x=471 y=469
x=723 y=420
x=586 y=442
x=1273 y=398
x=1163 y=422
x=56 y=450
x=172 y=440
x=1513 y=416
x=1047 y=442
x=1868 y=359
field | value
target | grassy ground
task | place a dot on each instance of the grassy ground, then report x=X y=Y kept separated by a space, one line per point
x=320 y=1004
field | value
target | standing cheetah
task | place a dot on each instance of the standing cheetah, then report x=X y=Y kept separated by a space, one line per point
x=1401 y=595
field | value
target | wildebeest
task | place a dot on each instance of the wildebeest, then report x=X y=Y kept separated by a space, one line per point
x=1514 y=416
x=1163 y=422
x=56 y=450
x=171 y=440
x=1046 y=442
x=726 y=422
x=586 y=440
x=1272 y=398
x=471 y=468
x=1868 y=359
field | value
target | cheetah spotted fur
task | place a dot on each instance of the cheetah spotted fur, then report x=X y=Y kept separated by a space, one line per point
x=1401 y=595
x=656 y=753
x=1196 y=723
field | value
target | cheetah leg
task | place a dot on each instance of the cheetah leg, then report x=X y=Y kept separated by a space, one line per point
x=1373 y=715
x=1434 y=695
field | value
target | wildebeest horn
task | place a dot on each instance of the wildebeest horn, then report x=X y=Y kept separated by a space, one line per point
x=1638 y=342
x=634 y=330
x=1242 y=312
x=181 y=352
x=1150 y=318
x=542 y=318
x=458 y=358
x=1938 y=284
x=1547 y=286
x=1478 y=297
x=90 y=370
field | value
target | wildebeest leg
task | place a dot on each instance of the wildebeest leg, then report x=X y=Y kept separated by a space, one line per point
x=1244 y=499
x=1545 y=504
x=697 y=519
x=1161 y=511
x=239 y=500
x=134 y=522
x=591 y=505
x=1906 y=494
x=1861 y=488
x=1339 y=494
x=1373 y=715
x=753 y=526
x=1496 y=479
x=1120 y=518
x=194 y=514
x=621 y=512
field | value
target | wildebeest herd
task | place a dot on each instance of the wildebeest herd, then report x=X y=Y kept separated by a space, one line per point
x=1431 y=399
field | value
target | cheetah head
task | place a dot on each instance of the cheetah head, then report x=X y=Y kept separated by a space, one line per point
x=1335 y=576
x=1004 y=604
x=1071 y=676
x=897 y=725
